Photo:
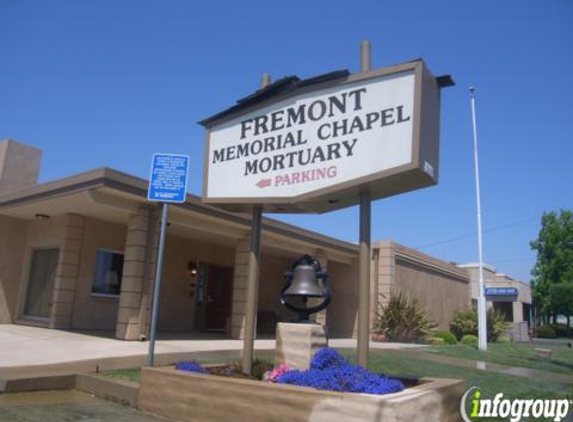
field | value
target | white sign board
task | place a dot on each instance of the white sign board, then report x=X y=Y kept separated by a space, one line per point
x=314 y=143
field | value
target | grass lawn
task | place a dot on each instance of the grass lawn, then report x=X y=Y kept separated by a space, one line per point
x=489 y=382
x=517 y=354
x=392 y=363
x=130 y=374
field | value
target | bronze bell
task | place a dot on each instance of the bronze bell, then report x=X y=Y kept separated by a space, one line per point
x=305 y=280
x=305 y=283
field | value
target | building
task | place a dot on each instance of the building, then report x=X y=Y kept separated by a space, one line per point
x=79 y=253
x=518 y=313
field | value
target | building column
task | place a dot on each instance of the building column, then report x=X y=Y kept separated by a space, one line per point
x=240 y=280
x=517 y=311
x=67 y=272
x=138 y=272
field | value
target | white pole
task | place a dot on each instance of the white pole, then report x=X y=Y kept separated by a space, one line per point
x=482 y=308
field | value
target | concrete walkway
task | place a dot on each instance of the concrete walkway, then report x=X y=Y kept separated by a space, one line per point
x=22 y=346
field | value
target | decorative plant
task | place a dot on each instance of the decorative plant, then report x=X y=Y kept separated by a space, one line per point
x=330 y=371
x=327 y=358
x=403 y=318
x=465 y=322
x=545 y=331
x=447 y=336
x=191 y=366
x=435 y=341
x=470 y=340
x=273 y=376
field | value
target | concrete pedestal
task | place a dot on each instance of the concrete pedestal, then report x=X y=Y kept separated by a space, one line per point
x=297 y=344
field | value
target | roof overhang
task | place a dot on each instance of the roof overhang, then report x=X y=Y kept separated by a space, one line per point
x=113 y=196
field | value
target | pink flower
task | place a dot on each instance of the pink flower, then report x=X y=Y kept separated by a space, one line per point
x=277 y=372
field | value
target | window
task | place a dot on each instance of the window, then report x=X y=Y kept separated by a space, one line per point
x=107 y=273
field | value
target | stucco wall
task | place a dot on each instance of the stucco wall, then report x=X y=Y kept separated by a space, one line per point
x=178 y=310
x=342 y=312
x=441 y=295
x=441 y=287
x=95 y=312
x=12 y=245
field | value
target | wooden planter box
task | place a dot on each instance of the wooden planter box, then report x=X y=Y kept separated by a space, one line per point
x=187 y=396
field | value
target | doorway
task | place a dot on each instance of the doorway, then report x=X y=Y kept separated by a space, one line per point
x=218 y=298
x=40 y=287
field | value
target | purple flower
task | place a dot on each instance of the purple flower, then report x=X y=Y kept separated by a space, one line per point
x=190 y=367
x=330 y=371
x=327 y=358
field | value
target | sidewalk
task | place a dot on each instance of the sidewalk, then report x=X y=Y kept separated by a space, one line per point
x=27 y=351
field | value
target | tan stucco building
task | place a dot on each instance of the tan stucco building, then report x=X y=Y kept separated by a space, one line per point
x=517 y=311
x=79 y=253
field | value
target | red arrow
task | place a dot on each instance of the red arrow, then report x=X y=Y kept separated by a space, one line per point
x=264 y=183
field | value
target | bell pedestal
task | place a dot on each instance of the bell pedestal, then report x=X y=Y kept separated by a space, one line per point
x=297 y=344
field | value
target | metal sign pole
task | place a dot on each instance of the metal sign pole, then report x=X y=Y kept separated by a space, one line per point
x=157 y=284
x=252 y=290
x=482 y=305
x=253 y=278
x=364 y=260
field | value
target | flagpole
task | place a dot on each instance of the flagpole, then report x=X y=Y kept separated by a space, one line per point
x=482 y=306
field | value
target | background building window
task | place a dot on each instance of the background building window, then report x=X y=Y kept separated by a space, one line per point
x=107 y=273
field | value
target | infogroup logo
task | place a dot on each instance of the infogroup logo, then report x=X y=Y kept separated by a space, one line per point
x=514 y=410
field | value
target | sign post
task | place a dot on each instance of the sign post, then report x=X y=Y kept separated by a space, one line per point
x=167 y=183
x=363 y=335
x=253 y=277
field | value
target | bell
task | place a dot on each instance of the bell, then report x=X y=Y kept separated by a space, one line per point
x=304 y=283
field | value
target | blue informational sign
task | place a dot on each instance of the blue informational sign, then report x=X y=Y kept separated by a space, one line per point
x=501 y=294
x=168 y=179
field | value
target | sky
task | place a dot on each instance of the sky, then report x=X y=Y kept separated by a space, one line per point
x=108 y=83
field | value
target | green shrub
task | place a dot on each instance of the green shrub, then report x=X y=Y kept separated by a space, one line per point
x=448 y=337
x=545 y=331
x=435 y=341
x=470 y=340
x=496 y=325
x=560 y=330
x=504 y=340
x=403 y=318
x=465 y=322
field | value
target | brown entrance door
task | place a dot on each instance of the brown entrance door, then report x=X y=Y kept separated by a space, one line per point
x=219 y=294
x=41 y=280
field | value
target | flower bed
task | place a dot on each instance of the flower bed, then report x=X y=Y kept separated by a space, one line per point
x=328 y=371
x=195 y=396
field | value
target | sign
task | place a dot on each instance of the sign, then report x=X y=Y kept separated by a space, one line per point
x=311 y=149
x=168 y=180
x=501 y=294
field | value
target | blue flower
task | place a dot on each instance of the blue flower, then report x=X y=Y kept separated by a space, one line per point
x=190 y=367
x=330 y=371
x=327 y=358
